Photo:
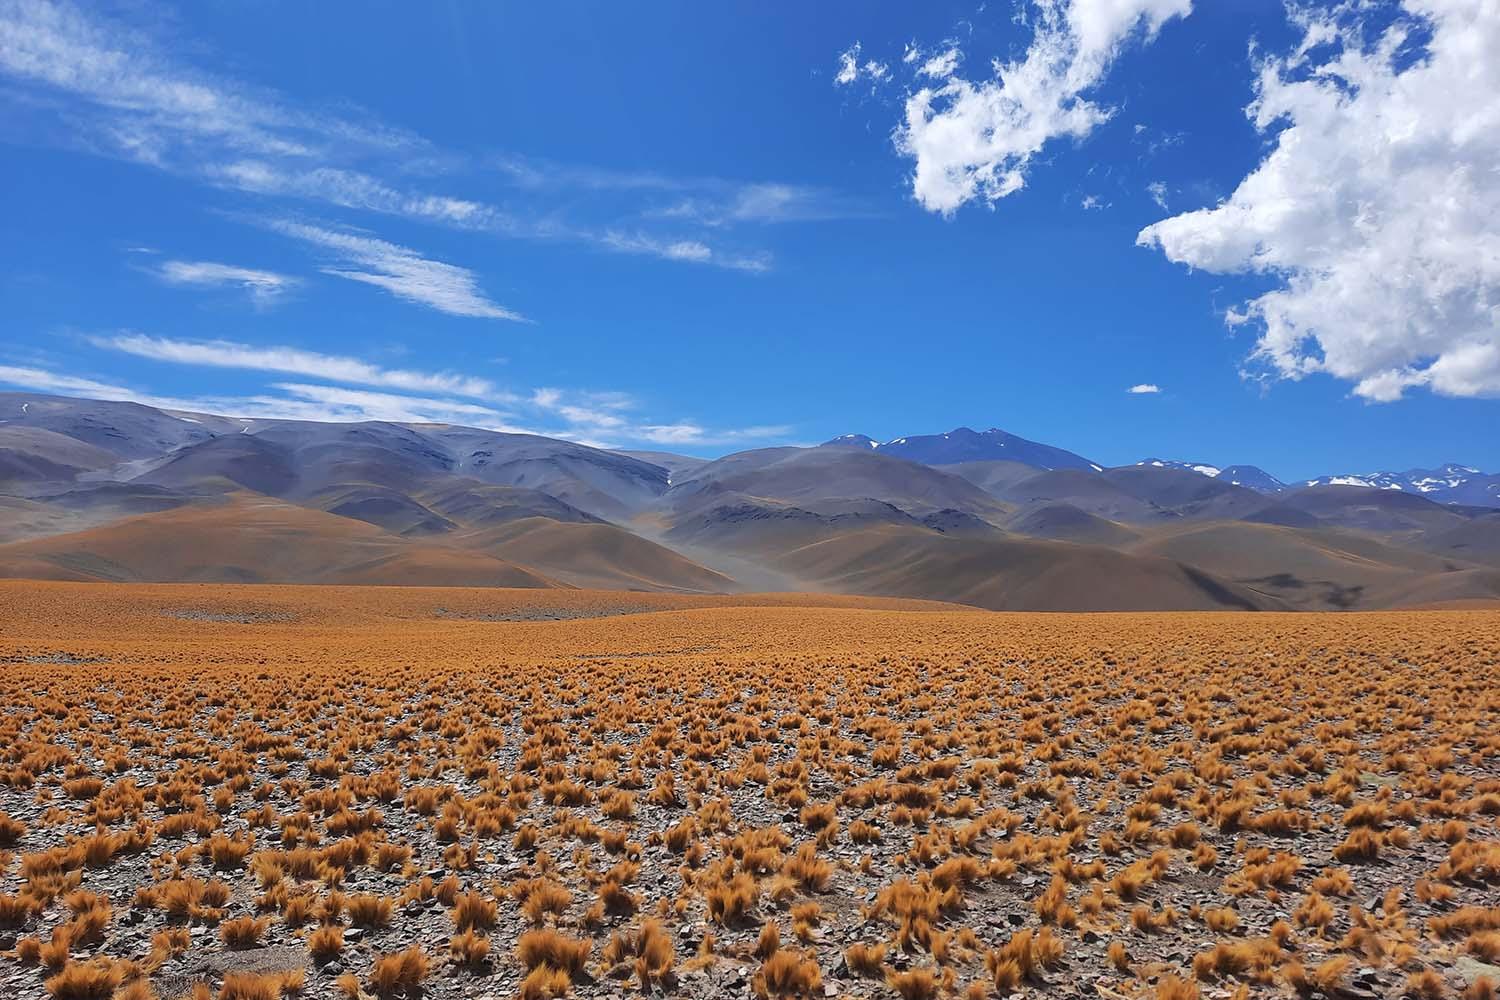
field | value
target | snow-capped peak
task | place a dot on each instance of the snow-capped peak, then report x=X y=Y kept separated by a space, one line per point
x=1450 y=483
x=1248 y=476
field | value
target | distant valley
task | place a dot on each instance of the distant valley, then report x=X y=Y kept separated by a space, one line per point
x=99 y=490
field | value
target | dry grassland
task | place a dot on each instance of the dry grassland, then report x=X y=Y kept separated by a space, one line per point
x=245 y=793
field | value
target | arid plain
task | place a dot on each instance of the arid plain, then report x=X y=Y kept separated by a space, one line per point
x=252 y=791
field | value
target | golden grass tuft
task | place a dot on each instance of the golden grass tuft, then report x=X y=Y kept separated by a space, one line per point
x=400 y=972
x=93 y=980
x=788 y=974
x=243 y=932
x=554 y=950
x=326 y=942
x=473 y=910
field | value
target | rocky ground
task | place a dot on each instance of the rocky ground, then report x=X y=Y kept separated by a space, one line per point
x=976 y=805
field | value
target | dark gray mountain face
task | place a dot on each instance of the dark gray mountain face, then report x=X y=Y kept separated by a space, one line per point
x=965 y=445
x=49 y=443
x=127 y=430
x=800 y=475
x=1253 y=478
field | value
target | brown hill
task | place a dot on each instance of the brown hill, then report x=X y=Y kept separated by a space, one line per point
x=253 y=540
x=1066 y=523
x=256 y=539
x=1011 y=573
x=1315 y=570
x=598 y=556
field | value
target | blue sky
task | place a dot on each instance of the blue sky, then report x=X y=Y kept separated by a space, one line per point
x=703 y=228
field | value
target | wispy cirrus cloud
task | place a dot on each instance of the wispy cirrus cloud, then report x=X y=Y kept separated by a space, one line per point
x=348 y=188
x=711 y=201
x=264 y=287
x=103 y=86
x=604 y=418
x=280 y=401
x=44 y=380
x=687 y=434
x=292 y=360
x=357 y=190
x=399 y=270
x=152 y=108
x=339 y=403
x=693 y=251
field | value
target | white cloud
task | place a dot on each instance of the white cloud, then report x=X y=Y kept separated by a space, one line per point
x=941 y=65
x=95 y=84
x=400 y=271
x=977 y=139
x=355 y=189
x=362 y=404
x=724 y=204
x=46 y=381
x=679 y=434
x=850 y=69
x=689 y=433
x=264 y=287
x=299 y=402
x=1375 y=210
x=692 y=251
x=1144 y=389
x=596 y=418
x=352 y=189
x=1158 y=192
x=1092 y=202
x=157 y=111
x=292 y=360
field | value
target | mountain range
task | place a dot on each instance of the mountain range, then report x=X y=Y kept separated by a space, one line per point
x=102 y=490
x=1451 y=483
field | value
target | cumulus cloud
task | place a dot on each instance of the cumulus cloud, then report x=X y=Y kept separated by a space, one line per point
x=1144 y=389
x=1374 y=212
x=976 y=139
x=403 y=272
x=264 y=287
